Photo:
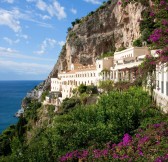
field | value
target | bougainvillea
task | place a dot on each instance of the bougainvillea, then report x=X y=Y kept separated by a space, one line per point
x=158 y=11
x=146 y=144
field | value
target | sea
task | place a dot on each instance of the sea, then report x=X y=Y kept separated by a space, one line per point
x=11 y=95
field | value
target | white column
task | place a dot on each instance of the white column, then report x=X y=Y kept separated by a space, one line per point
x=116 y=75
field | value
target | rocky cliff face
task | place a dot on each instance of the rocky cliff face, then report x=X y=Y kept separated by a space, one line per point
x=107 y=29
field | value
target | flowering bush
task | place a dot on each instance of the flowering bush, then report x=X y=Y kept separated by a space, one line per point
x=150 y=144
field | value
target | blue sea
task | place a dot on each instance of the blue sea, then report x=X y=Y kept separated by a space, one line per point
x=11 y=95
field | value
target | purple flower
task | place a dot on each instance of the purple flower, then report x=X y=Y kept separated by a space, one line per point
x=126 y=139
x=137 y=135
x=119 y=3
x=141 y=153
x=156 y=35
x=115 y=156
x=152 y=14
x=162 y=158
x=143 y=140
x=156 y=125
x=165 y=22
x=162 y=2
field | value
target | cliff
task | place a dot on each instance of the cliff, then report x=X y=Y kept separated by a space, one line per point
x=109 y=28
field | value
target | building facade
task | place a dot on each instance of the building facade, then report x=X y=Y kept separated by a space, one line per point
x=161 y=90
x=120 y=67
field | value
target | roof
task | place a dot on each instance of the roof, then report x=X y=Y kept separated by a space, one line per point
x=129 y=49
x=79 y=70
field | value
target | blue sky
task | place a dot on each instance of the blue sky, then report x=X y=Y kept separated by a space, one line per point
x=32 y=33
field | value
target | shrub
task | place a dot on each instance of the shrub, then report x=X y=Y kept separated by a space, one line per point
x=137 y=43
x=115 y=114
x=44 y=94
x=82 y=88
x=91 y=89
x=121 y=48
x=69 y=29
x=107 y=85
x=69 y=103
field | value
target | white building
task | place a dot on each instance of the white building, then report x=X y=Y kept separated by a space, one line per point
x=126 y=60
x=104 y=69
x=161 y=91
x=118 y=68
x=79 y=74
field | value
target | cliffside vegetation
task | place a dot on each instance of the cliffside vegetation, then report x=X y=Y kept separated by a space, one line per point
x=89 y=128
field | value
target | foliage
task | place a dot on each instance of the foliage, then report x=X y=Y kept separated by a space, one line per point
x=137 y=43
x=82 y=88
x=44 y=94
x=69 y=103
x=5 y=139
x=83 y=98
x=20 y=128
x=122 y=85
x=91 y=89
x=77 y=21
x=31 y=112
x=107 y=54
x=121 y=48
x=10 y=134
x=69 y=29
x=107 y=85
x=146 y=144
x=91 y=13
x=115 y=114
x=51 y=109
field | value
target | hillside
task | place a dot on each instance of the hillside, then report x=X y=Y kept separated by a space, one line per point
x=111 y=27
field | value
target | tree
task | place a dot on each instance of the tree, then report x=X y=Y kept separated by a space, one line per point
x=82 y=88
x=106 y=85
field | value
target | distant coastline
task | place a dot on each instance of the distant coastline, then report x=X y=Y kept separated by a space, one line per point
x=11 y=94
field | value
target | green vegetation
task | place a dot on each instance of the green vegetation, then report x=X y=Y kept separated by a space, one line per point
x=69 y=103
x=82 y=126
x=73 y=35
x=77 y=21
x=31 y=112
x=44 y=94
x=107 y=54
x=107 y=85
x=121 y=48
x=69 y=29
x=137 y=43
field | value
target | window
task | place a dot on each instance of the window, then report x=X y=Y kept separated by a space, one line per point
x=99 y=66
x=162 y=86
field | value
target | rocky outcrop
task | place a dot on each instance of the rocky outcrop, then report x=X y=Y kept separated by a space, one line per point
x=107 y=29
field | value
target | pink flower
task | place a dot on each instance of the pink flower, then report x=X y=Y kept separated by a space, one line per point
x=126 y=139
x=165 y=22
x=162 y=2
x=119 y=3
x=152 y=14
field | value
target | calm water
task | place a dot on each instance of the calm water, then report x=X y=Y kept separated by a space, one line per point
x=11 y=95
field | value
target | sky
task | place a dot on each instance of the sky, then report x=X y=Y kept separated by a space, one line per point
x=32 y=33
